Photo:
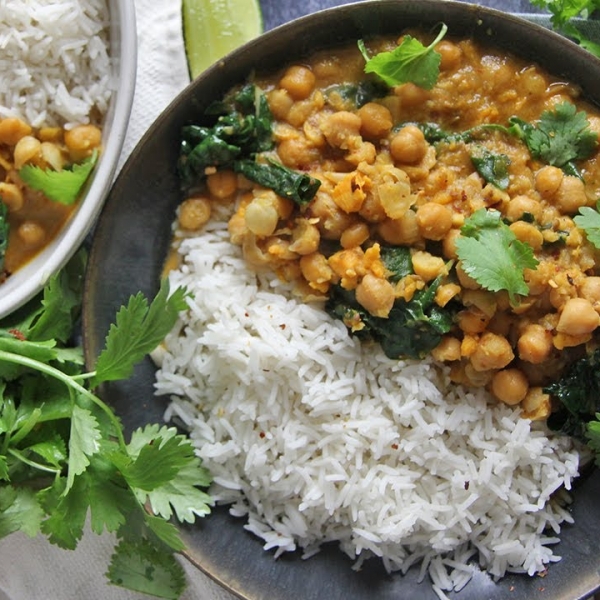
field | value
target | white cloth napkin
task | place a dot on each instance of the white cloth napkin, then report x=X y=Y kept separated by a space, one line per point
x=33 y=569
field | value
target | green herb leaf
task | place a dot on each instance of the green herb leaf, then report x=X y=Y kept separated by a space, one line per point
x=561 y=136
x=146 y=568
x=60 y=186
x=491 y=254
x=138 y=330
x=588 y=219
x=410 y=62
x=84 y=441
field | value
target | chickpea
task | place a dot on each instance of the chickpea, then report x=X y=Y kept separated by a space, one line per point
x=465 y=280
x=492 y=352
x=590 y=289
x=376 y=295
x=12 y=130
x=11 y=195
x=411 y=95
x=427 y=266
x=472 y=320
x=448 y=350
x=570 y=196
x=222 y=184
x=194 y=213
x=355 y=235
x=280 y=103
x=376 y=120
x=451 y=55
x=434 y=220
x=298 y=81
x=408 y=145
x=27 y=150
x=522 y=205
x=536 y=405
x=31 y=233
x=262 y=216
x=510 y=386
x=82 y=140
x=315 y=268
x=341 y=129
x=298 y=153
x=548 y=180
x=332 y=220
x=535 y=344
x=528 y=233
x=305 y=237
x=401 y=232
x=372 y=209
x=578 y=317
x=449 y=243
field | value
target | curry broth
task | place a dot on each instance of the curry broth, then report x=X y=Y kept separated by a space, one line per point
x=383 y=183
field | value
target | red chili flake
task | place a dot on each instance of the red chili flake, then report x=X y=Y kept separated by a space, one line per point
x=395 y=446
x=246 y=314
x=18 y=334
x=466 y=485
x=262 y=434
x=282 y=326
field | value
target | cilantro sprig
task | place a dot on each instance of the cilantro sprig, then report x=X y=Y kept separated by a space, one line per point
x=63 y=452
x=588 y=220
x=491 y=254
x=60 y=186
x=410 y=61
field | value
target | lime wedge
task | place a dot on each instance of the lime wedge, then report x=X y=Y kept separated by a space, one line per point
x=213 y=28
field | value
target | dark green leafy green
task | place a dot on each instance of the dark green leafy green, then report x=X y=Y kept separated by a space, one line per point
x=358 y=94
x=397 y=260
x=411 y=330
x=297 y=186
x=410 y=61
x=491 y=166
x=63 y=455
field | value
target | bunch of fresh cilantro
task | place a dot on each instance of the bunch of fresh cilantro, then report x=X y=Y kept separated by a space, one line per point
x=64 y=458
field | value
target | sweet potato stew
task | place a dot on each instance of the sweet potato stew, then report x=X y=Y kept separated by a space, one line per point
x=453 y=217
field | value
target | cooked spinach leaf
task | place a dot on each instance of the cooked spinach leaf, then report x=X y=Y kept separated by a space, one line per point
x=357 y=95
x=578 y=393
x=411 y=330
x=397 y=260
x=297 y=186
x=491 y=166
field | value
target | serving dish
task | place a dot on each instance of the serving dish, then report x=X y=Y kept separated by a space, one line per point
x=30 y=279
x=130 y=246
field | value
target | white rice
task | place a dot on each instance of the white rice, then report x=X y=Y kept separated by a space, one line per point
x=54 y=60
x=312 y=437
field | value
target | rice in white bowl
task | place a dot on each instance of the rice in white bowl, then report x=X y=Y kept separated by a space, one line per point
x=312 y=437
x=54 y=60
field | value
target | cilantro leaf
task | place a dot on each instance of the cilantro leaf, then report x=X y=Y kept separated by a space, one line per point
x=561 y=136
x=84 y=441
x=60 y=186
x=19 y=511
x=588 y=219
x=138 y=330
x=411 y=61
x=146 y=569
x=491 y=254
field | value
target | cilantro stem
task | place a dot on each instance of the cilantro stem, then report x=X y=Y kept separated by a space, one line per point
x=18 y=455
x=70 y=382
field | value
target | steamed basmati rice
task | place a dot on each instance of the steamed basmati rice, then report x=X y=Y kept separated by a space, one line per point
x=313 y=437
x=54 y=60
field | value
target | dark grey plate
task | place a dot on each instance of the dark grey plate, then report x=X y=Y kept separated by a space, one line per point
x=130 y=245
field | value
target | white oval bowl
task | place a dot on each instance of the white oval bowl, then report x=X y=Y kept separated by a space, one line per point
x=25 y=283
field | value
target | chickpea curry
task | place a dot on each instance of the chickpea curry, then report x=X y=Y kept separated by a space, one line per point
x=41 y=173
x=454 y=217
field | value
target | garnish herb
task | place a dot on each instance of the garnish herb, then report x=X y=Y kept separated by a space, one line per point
x=241 y=133
x=410 y=61
x=492 y=167
x=565 y=15
x=63 y=454
x=561 y=137
x=491 y=254
x=60 y=186
x=588 y=219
